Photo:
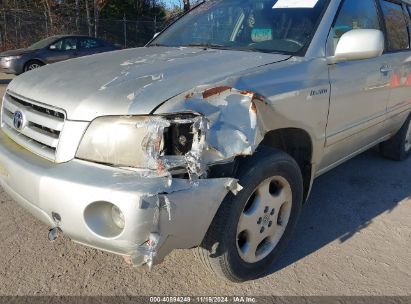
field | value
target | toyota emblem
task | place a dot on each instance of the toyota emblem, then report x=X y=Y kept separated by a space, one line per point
x=18 y=120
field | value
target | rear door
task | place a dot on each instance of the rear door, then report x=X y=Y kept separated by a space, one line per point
x=398 y=55
x=89 y=46
x=359 y=89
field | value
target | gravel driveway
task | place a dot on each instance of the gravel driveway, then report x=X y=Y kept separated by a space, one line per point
x=354 y=238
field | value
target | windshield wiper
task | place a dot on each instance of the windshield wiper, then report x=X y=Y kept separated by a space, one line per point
x=257 y=50
x=157 y=44
x=268 y=51
x=234 y=48
x=208 y=46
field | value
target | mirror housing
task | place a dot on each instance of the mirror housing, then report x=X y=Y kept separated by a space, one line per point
x=357 y=45
x=52 y=47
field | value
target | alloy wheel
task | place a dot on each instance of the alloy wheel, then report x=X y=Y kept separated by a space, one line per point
x=264 y=219
x=33 y=66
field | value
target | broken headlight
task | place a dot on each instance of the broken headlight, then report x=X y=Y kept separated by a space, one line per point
x=136 y=141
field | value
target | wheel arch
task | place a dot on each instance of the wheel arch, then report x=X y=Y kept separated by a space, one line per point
x=298 y=144
x=33 y=60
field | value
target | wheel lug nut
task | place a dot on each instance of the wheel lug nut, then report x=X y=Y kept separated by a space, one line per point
x=272 y=212
x=260 y=220
x=262 y=230
x=270 y=223
x=266 y=209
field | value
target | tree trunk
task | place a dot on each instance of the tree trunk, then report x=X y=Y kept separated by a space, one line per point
x=187 y=5
x=96 y=17
x=77 y=16
x=88 y=18
x=47 y=8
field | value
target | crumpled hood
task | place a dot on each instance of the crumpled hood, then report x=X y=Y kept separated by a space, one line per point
x=17 y=52
x=133 y=81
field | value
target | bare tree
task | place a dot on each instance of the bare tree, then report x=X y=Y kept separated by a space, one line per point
x=96 y=17
x=48 y=9
x=98 y=6
x=88 y=16
x=77 y=15
x=187 y=5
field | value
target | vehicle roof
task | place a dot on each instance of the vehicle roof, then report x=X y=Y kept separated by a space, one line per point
x=65 y=36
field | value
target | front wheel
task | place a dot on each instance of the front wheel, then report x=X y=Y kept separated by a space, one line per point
x=252 y=229
x=32 y=65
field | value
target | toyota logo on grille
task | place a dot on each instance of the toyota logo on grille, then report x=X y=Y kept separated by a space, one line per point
x=18 y=120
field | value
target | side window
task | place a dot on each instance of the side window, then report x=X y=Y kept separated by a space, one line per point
x=66 y=44
x=396 y=25
x=88 y=43
x=355 y=14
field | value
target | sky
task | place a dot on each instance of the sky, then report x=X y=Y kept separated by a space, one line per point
x=170 y=3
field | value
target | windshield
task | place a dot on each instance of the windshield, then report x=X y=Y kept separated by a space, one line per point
x=273 y=26
x=42 y=43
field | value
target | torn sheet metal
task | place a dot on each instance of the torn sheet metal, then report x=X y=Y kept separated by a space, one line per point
x=156 y=163
x=181 y=218
x=233 y=186
x=232 y=118
x=153 y=141
x=146 y=253
x=232 y=122
x=195 y=165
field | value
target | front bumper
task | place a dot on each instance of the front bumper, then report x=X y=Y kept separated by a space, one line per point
x=175 y=211
x=11 y=67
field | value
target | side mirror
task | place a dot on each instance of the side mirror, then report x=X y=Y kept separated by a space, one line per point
x=358 y=44
x=156 y=34
x=52 y=47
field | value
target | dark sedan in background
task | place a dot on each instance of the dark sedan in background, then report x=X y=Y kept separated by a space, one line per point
x=51 y=50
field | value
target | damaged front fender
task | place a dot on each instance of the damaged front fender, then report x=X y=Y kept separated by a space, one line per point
x=230 y=122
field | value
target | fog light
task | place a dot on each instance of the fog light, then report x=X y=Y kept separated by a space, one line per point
x=118 y=217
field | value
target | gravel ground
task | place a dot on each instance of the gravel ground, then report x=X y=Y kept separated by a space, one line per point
x=354 y=238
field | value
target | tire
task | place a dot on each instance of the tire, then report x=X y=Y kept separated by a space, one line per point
x=398 y=147
x=32 y=65
x=226 y=247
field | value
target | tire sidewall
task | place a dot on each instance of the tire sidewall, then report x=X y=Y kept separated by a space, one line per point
x=406 y=154
x=263 y=169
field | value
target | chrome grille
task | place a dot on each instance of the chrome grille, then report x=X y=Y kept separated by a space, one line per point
x=42 y=129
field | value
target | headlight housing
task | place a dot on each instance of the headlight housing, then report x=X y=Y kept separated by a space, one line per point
x=10 y=58
x=136 y=141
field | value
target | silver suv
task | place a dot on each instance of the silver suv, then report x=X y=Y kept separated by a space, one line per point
x=209 y=137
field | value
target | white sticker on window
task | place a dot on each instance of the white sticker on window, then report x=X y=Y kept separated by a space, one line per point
x=295 y=4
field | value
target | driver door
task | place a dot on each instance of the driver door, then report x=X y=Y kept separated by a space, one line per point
x=63 y=49
x=359 y=89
